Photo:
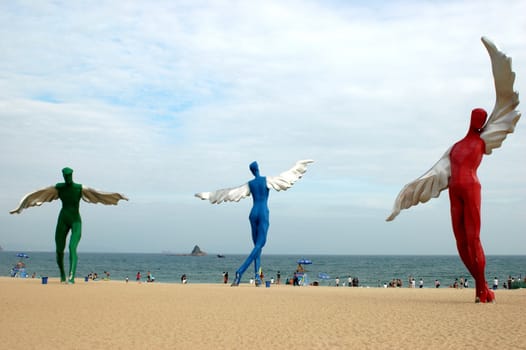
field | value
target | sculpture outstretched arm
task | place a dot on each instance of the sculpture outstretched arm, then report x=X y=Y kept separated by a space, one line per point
x=427 y=186
x=91 y=195
x=286 y=179
x=234 y=194
x=36 y=198
x=504 y=116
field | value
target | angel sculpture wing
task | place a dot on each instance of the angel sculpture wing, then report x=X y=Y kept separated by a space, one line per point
x=501 y=122
x=47 y=194
x=427 y=186
x=504 y=116
x=286 y=179
x=234 y=194
x=283 y=181
x=50 y=193
x=91 y=195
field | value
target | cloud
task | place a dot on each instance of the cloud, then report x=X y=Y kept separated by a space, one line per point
x=159 y=101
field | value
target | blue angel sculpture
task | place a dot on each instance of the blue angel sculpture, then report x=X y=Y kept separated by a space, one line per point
x=259 y=215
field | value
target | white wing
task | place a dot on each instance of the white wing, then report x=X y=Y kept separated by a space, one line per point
x=36 y=198
x=286 y=179
x=234 y=194
x=91 y=195
x=504 y=116
x=427 y=186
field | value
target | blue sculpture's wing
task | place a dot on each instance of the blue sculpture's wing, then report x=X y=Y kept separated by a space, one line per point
x=504 y=116
x=286 y=179
x=427 y=186
x=36 y=198
x=234 y=194
x=91 y=195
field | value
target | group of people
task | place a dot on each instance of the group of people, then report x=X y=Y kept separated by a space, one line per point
x=463 y=283
x=397 y=283
x=138 y=277
x=510 y=282
x=95 y=276
x=296 y=280
x=351 y=282
x=184 y=279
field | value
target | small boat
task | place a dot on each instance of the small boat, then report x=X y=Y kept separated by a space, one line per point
x=220 y=256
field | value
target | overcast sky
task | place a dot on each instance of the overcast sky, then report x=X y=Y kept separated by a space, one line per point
x=161 y=99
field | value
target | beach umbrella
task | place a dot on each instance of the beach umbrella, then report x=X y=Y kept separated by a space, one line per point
x=304 y=261
x=324 y=276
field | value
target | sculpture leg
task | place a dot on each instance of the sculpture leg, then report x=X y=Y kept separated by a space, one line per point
x=76 y=233
x=61 y=233
x=262 y=229
x=460 y=236
x=257 y=267
x=259 y=237
x=256 y=251
x=465 y=215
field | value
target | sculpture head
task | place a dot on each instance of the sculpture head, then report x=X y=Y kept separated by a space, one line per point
x=254 y=168
x=68 y=175
x=478 y=119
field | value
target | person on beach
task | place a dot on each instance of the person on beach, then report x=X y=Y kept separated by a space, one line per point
x=457 y=171
x=259 y=214
x=70 y=194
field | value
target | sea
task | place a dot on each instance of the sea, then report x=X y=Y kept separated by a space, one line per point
x=370 y=270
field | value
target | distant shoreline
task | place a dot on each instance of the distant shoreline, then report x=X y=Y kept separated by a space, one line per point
x=298 y=255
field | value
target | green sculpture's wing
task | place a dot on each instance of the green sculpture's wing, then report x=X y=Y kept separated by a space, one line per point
x=91 y=195
x=36 y=198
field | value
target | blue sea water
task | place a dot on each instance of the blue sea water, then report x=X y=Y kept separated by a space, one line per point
x=371 y=270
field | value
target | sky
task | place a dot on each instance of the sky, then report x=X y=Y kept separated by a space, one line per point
x=159 y=100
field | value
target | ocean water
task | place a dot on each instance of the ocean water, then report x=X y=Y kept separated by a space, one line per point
x=371 y=270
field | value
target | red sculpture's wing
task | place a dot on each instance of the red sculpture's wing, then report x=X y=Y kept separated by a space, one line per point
x=286 y=179
x=91 y=195
x=504 y=116
x=36 y=198
x=427 y=186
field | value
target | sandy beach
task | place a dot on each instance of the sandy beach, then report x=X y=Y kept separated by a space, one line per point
x=119 y=315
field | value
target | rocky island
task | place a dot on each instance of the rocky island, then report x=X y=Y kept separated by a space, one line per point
x=195 y=252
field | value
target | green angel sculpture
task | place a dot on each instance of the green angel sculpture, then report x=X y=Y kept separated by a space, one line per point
x=69 y=194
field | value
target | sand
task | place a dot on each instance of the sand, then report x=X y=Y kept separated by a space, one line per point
x=119 y=315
